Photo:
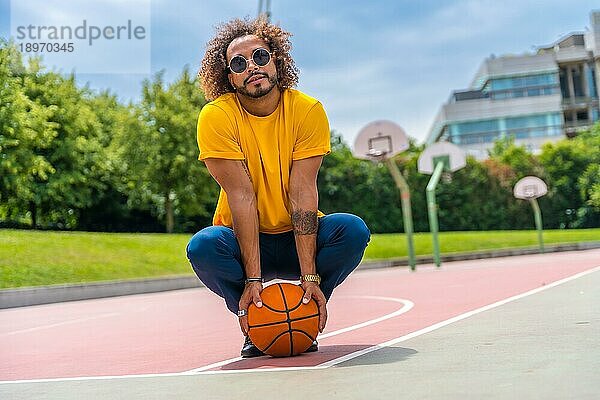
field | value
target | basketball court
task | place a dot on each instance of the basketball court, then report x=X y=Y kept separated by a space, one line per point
x=515 y=327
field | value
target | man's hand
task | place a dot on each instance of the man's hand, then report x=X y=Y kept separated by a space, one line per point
x=312 y=290
x=251 y=294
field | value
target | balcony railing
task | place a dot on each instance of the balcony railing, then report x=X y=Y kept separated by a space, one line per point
x=578 y=124
x=574 y=102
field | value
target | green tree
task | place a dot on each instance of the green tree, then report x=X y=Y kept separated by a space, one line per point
x=518 y=158
x=75 y=153
x=569 y=167
x=161 y=155
x=462 y=205
x=589 y=181
x=589 y=184
x=26 y=135
x=110 y=210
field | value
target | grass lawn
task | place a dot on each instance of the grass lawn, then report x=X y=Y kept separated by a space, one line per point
x=32 y=258
x=394 y=245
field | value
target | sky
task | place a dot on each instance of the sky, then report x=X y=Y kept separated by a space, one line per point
x=397 y=60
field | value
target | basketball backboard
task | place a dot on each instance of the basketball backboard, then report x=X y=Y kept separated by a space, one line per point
x=380 y=140
x=453 y=157
x=530 y=187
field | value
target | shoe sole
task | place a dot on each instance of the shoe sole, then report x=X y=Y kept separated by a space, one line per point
x=313 y=348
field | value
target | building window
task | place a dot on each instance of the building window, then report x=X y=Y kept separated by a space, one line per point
x=523 y=127
x=577 y=80
x=582 y=115
x=591 y=80
x=463 y=128
x=533 y=121
x=550 y=90
x=522 y=86
x=564 y=83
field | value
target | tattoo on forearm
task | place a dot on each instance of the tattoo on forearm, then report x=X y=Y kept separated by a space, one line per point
x=304 y=222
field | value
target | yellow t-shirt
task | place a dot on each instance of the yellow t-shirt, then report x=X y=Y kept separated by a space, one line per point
x=297 y=129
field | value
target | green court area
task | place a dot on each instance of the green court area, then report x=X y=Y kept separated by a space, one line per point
x=32 y=258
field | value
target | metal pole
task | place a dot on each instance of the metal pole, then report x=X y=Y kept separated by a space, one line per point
x=268 y=10
x=406 y=209
x=432 y=210
x=538 y=222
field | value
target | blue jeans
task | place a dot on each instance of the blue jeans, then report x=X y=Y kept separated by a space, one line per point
x=216 y=257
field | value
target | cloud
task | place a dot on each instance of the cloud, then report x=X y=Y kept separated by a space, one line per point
x=358 y=94
x=323 y=24
x=390 y=59
x=95 y=11
x=454 y=22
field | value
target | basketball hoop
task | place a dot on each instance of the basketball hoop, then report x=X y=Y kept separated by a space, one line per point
x=379 y=141
x=530 y=187
x=446 y=177
x=439 y=160
x=530 y=191
x=377 y=156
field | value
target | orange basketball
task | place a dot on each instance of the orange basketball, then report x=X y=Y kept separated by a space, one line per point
x=283 y=326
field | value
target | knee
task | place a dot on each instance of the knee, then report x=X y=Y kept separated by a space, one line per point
x=205 y=243
x=359 y=230
x=198 y=245
x=354 y=229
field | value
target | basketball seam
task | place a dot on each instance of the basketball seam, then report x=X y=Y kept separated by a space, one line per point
x=287 y=321
x=303 y=318
x=306 y=333
x=297 y=305
x=277 y=310
x=291 y=342
x=283 y=322
x=274 y=340
x=272 y=309
x=287 y=312
x=267 y=324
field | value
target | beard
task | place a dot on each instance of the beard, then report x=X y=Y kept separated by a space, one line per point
x=261 y=91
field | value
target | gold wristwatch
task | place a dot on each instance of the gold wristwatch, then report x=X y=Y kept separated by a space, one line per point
x=311 y=278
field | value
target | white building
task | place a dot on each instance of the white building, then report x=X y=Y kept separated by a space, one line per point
x=535 y=97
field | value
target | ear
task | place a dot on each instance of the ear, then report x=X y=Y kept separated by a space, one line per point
x=230 y=81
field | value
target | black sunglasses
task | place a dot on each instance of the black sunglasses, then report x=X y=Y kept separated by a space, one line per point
x=260 y=57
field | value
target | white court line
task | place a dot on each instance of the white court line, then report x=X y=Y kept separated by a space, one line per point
x=407 y=305
x=214 y=365
x=72 y=321
x=453 y=320
x=338 y=360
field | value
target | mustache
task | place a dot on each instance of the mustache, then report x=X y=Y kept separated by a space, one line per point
x=255 y=74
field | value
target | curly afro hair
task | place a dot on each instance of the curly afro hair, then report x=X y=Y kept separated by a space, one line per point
x=213 y=72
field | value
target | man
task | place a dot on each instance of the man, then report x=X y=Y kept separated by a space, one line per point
x=263 y=142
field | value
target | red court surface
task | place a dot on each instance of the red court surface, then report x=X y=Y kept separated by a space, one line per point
x=190 y=330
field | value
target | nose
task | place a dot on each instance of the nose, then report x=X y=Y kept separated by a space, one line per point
x=251 y=67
